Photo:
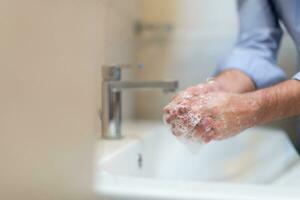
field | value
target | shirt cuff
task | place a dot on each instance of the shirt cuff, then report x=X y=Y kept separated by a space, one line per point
x=261 y=70
x=297 y=76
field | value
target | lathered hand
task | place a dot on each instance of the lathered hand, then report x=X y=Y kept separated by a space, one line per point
x=177 y=105
x=213 y=115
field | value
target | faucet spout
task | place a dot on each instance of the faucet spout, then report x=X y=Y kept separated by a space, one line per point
x=112 y=86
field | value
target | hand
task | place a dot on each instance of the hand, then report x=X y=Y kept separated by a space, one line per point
x=224 y=114
x=231 y=80
x=171 y=110
x=219 y=115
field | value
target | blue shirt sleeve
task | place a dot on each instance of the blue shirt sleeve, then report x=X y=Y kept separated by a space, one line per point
x=256 y=48
x=297 y=76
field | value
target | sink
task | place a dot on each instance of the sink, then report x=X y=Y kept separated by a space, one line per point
x=150 y=163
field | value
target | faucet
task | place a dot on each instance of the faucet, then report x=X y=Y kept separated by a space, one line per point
x=112 y=86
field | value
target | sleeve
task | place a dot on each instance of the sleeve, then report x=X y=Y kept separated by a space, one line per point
x=255 y=51
x=297 y=76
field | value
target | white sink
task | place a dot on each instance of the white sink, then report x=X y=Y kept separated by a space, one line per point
x=151 y=164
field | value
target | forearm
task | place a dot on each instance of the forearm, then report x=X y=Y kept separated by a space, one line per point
x=234 y=81
x=277 y=102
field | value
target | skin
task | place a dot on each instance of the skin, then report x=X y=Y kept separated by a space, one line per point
x=279 y=101
x=227 y=107
x=241 y=84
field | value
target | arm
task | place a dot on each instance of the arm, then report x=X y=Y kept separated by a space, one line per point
x=251 y=65
x=252 y=62
x=257 y=44
x=226 y=114
x=279 y=101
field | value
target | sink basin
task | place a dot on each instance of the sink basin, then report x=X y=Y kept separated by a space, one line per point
x=150 y=163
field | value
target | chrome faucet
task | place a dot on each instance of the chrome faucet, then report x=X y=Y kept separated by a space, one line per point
x=112 y=86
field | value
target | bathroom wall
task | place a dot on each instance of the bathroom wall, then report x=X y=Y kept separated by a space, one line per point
x=204 y=31
x=51 y=52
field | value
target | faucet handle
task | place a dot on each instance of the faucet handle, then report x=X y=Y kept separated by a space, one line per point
x=113 y=72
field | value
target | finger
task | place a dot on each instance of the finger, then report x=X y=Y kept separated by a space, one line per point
x=169 y=118
x=208 y=123
x=200 y=130
x=175 y=130
x=211 y=134
x=208 y=136
x=221 y=129
x=204 y=135
x=182 y=110
x=172 y=113
x=167 y=109
x=175 y=111
x=205 y=129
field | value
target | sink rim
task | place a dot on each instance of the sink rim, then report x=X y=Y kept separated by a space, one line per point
x=141 y=187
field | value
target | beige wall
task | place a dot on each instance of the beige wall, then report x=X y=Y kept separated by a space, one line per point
x=50 y=57
x=204 y=31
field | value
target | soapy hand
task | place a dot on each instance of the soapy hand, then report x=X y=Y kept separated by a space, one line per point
x=211 y=115
x=173 y=109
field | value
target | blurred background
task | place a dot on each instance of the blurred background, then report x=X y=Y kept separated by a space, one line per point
x=51 y=57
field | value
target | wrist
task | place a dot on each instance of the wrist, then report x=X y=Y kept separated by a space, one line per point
x=258 y=105
x=235 y=81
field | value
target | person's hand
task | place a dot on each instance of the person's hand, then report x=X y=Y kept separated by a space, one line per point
x=219 y=115
x=176 y=106
x=224 y=114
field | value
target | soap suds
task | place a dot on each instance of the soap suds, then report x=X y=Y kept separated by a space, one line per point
x=183 y=126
